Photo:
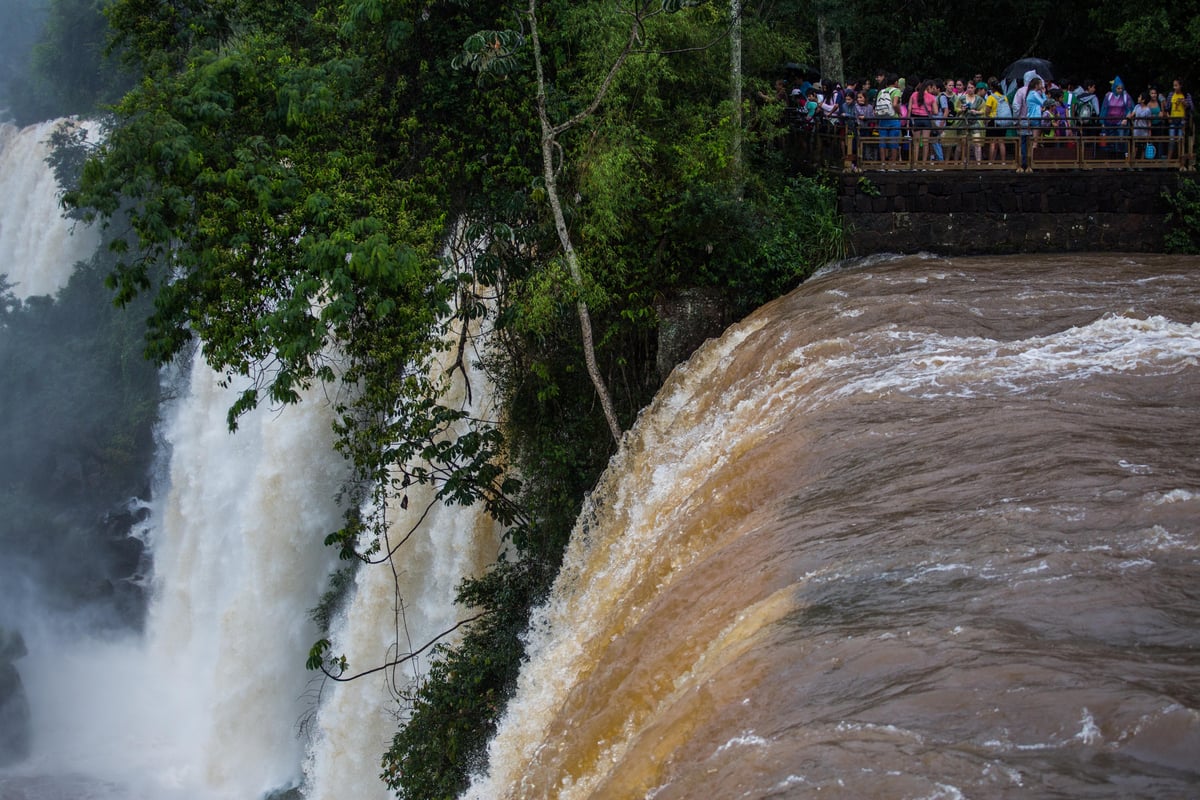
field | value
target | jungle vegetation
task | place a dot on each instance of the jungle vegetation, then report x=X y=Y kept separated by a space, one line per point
x=288 y=181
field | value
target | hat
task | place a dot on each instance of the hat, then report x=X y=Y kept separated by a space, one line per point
x=1118 y=82
x=981 y=85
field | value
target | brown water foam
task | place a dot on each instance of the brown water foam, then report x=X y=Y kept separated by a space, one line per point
x=923 y=528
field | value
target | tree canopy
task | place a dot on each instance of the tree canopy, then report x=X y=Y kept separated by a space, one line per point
x=1151 y=42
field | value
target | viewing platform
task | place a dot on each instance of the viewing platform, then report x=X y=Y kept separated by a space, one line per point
x=1080 y=192
x=833 y=146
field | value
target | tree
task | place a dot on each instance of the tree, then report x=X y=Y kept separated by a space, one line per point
x=1157 y=41
x=492 y=52
x=286 y=192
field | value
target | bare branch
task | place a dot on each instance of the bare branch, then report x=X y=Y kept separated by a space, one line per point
x=398 y=661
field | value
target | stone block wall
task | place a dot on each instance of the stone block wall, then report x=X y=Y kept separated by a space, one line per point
x=958 y=212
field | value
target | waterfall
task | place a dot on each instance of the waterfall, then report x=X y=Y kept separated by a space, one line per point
x=39 y=245
x=212 y=701
x=206 y=705
x=398 y=610
x=924 y=527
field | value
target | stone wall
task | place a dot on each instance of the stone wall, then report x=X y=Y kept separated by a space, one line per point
x=967 y=213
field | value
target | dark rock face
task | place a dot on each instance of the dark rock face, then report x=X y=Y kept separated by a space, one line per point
x=16 y=735
x=686 y=319
x=975 y=213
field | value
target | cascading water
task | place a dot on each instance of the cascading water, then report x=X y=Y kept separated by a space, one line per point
x=924 y=528
x=208 y=703
x=40 y=246
x=397 y=611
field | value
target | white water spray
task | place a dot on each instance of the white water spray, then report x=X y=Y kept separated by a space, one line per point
x=207 y=704
x=395 y=614
x=39 y=245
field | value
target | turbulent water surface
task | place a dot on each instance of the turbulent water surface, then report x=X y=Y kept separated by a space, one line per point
x=212 y=701
x=925 y=528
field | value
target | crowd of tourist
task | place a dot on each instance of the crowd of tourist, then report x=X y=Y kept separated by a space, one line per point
x=987 y=119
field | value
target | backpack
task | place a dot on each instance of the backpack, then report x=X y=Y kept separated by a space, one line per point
x=883 y=103
x=1082 y=109
x=1004 y=112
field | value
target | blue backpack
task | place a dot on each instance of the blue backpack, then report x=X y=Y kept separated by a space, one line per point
x=1004 y=112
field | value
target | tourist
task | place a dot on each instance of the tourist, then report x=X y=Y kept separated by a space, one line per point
x=811 y=107
x=1001 y=122
x=1055 y=116
x=1179 y=107
x=938 y=121
x=952 y=128
x=887 y=116
x=1158 y=115
x=922 y=105
x=1020 y=113
x=971 y=108
x=861 y=124
x=1114 y=112
x=1140 y=120
x=878 y=86
x=1085 y=107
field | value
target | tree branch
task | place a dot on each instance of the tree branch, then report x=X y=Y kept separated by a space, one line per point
x=549 y=134
x=341 y=678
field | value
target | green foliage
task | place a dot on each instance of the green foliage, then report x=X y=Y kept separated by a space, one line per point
x=1183 y=223
x=868 y=187
x=1142 y=42
x=798 y=231
x=1156 y=41
x=490 y=53
x=76 y=391
x=653 y=208
x=456 y=708
x=340 y=584
x=61 y=67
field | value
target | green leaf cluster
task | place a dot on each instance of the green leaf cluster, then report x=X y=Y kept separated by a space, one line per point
x=1183 y=222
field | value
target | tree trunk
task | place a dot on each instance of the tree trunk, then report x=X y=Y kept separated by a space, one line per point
x=549 y=136
x=735 y=81
x=829 y=42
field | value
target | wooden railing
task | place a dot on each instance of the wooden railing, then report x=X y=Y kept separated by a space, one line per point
x=832 y=145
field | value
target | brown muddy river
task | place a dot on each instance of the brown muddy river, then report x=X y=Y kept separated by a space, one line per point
x=924 y=528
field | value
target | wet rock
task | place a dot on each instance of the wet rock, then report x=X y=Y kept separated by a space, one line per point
x=16 y=734
x=687 y=319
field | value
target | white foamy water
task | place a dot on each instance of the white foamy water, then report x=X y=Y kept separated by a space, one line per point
x=40 y=245
x=395 y=610
x=209 y=703
x=924 y=528
x=206 y=705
